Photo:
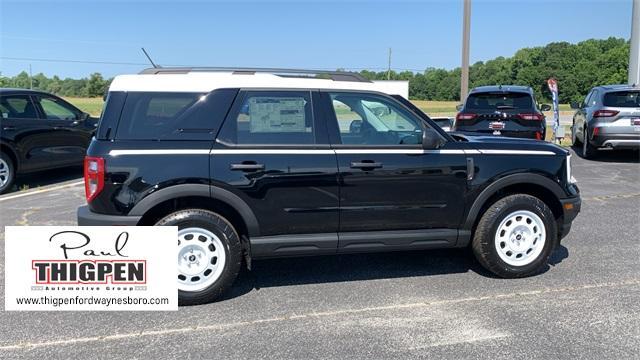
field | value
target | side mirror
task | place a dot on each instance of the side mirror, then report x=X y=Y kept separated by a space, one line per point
x=459 y=107
x=431 y=139
x=575 y=105
x=545 y=107
x=83 y=116
x=355 y=127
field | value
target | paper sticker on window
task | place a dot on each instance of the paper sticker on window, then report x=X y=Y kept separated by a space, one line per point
x=276 y=114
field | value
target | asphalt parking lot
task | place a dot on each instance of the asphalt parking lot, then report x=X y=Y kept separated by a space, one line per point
x=431 y=304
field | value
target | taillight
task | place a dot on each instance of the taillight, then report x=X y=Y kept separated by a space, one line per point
x=605 y=113
x=538 y=135
x=465 y=116
x=531 y=116
x=93 y=176
x=596 y=131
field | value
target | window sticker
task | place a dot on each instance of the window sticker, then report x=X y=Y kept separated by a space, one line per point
x=276 y=114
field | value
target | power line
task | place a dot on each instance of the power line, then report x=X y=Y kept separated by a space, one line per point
x=73 y=61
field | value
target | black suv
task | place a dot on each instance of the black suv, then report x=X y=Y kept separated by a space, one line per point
x=252 y=165
x=40 y=131
x=502 y=110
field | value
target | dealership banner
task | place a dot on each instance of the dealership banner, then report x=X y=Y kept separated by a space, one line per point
x=106 y=268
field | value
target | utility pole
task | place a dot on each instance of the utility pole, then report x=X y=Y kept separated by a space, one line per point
x=634 y=51
x=30 y=78
x=389 y=66
x=466 y=27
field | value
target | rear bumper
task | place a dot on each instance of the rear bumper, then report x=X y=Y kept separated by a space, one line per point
x=570 y=209
x=523 y=134
x=617 y=141
x=88 y=218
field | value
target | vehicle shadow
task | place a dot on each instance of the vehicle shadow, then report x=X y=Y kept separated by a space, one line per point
x=362 y=267
x=609 y=155
x=43 y=178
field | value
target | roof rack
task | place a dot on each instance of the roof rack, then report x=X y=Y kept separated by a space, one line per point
x=321 y=74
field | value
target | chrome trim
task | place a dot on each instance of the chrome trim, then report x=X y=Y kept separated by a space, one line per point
x=328 y=151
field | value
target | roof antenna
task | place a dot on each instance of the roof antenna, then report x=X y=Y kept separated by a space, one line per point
x=149 y=57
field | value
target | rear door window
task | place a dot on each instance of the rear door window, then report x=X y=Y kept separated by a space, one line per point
x=271 y=118
x=499 y=101
x=622 y=99
x=17 y=107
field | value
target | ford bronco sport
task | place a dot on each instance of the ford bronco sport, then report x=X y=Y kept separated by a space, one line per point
x=253 y=164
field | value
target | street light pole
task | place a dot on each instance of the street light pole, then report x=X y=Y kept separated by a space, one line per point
x=466 y=24
x=634 y=51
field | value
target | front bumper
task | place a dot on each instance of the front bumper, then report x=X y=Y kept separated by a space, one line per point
x=570 y=209
x=86 y=217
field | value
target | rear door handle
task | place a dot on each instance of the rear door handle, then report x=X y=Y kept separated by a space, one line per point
x=365 y=165
x=247 y=167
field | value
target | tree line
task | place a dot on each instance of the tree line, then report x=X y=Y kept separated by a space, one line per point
x=577 y=67
x=93 y=86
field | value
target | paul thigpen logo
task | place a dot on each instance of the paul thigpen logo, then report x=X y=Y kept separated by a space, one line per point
x=110 y=266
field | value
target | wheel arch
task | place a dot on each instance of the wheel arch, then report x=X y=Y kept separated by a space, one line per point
x=183 y=196
x=532 y=184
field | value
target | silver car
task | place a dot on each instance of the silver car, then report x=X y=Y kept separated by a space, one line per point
x=608 y=117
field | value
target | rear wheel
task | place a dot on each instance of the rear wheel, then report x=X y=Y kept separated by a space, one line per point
x=7 y=173
x=209 y=254
x=515 y=236
x=588 y=151
x=574 y=136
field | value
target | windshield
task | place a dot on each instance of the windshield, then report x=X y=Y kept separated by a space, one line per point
x=499 y=101
x=622 y=99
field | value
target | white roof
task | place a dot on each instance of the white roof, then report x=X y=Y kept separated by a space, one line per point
x=209 y=81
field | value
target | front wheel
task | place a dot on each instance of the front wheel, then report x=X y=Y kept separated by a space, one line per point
x=209 y=254
x=515 y=236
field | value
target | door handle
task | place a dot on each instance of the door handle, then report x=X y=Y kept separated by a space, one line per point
x=8 y=128
x=247 y=167
x=365 y=164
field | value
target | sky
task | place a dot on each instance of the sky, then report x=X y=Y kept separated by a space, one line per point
x=351 y=35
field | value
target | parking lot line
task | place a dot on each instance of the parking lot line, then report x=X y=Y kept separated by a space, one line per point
x=40 y=191
x=172 y=331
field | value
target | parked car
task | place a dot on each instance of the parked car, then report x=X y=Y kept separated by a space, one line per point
x=446 y=123
x=608 y=117
x=505 y=110
x=251 y=165
x=40 y=131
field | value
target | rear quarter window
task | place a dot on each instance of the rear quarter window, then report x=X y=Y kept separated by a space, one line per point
x=173 y=116
x=622 y=99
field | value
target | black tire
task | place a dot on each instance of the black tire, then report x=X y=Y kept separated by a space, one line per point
x=224 y=230
x=588 y=151
x=7 y=173
x=574 y=137
x=484 y=243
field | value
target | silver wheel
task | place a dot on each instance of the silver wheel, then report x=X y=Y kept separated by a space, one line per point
x=520 y=238
x=201 y=259
x=5 y=173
